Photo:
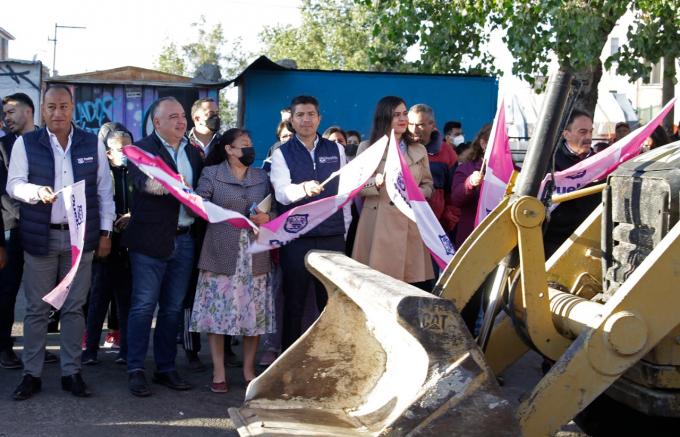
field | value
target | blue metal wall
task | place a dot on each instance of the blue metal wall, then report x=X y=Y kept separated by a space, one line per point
x=348 y=99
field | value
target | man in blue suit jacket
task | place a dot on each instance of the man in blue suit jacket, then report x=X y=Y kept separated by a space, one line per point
x=161 y=245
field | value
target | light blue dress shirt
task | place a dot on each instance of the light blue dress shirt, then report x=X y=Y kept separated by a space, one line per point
x=184 y=168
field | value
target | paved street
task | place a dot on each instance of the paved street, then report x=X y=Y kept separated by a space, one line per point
x=113 y=411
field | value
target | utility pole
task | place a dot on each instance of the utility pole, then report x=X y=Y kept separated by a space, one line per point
x=54 y=40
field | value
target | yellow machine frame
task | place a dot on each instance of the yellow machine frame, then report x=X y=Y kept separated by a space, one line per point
x=610 y=337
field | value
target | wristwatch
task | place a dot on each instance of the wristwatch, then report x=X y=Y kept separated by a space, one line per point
x=106 y=234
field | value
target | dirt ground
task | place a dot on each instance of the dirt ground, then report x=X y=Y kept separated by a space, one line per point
x=112 y=410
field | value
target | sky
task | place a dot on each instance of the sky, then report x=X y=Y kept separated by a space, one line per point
x=127 y=32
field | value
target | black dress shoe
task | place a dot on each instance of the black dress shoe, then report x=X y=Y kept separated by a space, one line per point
x=9 y=360
x=137 y=384
x=75 y=384
x=29 y=386
x=171 y=380
x=195 y=364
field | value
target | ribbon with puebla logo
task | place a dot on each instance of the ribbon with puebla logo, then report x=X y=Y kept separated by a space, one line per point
x=407 y=197
x=598 y=166
x=301 y=219
x=156 y=168
x=73 y=197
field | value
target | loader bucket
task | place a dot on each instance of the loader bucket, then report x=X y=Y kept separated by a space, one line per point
x=384 y=358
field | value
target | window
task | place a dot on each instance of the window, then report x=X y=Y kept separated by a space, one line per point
x=614 y=45
x=654 y=77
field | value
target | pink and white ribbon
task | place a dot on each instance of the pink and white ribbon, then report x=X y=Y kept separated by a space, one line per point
x=598 y=166
x=407 y=197
x=73 y=197
x=499 y=167
x=154 y=167
x=301 y=219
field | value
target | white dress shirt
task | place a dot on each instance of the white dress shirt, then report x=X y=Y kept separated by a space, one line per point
x=19 y=188
x=286 y=192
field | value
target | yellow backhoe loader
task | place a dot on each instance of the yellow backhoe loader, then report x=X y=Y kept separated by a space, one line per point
x=387 y=359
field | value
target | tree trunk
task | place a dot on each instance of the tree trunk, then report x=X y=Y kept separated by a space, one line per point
x=590 y=78
x=668 y=90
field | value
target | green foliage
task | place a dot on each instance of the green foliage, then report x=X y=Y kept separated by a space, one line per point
x=334 y=34
x=654 y=34
x=574 y=30
x=170 y=61
x=452 y=36
x=209 y=47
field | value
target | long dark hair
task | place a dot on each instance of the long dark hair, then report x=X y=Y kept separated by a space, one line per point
x=659 y=137
x=382 y=119
x=217 y=154
x=476 y=151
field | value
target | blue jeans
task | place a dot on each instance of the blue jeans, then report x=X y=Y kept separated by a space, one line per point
x=163 y=282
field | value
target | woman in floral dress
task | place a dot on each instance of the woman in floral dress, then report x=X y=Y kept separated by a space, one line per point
x=233 y=295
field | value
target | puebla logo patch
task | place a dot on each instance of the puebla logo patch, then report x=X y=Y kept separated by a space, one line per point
x=446 y=243
x=296 y=223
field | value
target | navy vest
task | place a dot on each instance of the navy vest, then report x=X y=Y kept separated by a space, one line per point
x=35 y=219
x=302 y=168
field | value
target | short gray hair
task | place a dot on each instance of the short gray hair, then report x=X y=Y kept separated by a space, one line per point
x=422 y=108
x=119 y=135
x=157 y=104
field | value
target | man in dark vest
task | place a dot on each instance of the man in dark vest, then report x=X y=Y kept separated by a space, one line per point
x=18 y=111
x=297 y=167
x=43 y=162
x=160 y=239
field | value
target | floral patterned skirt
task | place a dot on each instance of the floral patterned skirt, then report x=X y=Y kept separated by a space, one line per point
x=240 y=304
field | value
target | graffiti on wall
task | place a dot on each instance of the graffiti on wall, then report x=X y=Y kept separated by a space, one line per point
x=22 y=77
x=92 y=114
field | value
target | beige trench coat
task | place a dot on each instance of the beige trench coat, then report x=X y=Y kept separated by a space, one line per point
x=386 y=240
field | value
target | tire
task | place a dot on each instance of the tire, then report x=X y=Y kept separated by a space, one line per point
x=606 y=417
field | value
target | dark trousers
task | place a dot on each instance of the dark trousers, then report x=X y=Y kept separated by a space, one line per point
x=10 y=281
x=192 y=340
x=111 y=281
x=297 y=281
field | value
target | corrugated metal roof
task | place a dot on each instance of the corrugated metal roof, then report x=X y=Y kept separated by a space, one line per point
x=263 y=63
x=130 y=75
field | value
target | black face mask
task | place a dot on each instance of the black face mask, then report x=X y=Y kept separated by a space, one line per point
x=351 y=149
x=248 y=156
x=213 y=123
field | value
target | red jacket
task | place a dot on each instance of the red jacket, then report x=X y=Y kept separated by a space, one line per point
x=443 y=159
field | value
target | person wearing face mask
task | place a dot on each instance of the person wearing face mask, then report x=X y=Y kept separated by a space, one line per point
x=203 y=136
x=353 y=140
x=234 y=295
x=111 y=281
x=206 y=130
x=453 y=133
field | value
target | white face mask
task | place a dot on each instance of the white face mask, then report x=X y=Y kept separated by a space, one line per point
x=458 y=140
x=117 y=158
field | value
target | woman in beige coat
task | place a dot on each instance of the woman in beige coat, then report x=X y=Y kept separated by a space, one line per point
x=386 y=239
